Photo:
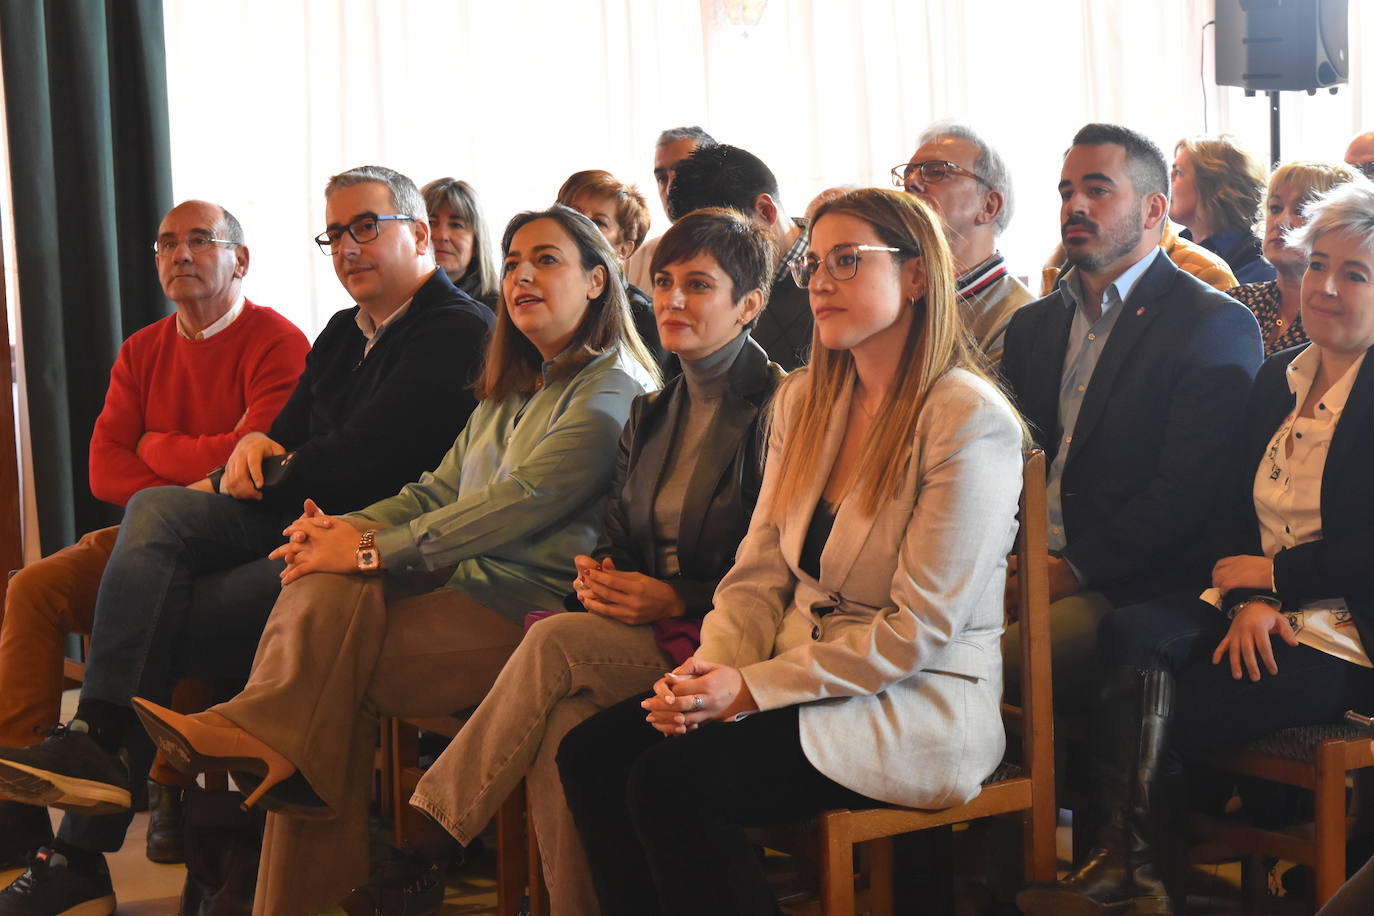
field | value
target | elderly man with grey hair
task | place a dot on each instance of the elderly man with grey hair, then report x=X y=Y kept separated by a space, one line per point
x=674 y=145
x=965 y=180
x=188 y=587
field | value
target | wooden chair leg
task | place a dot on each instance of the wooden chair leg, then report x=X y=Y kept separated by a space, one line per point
x=837 y=866
x=403 y=747
x=879 y=859
x=1254 y=885
x=511 y=857
x=388 y=776
x=538 y=890
x=1038 y=841
x=1329 y=825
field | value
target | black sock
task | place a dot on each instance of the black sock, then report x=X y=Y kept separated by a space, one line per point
x=106 y=722
x=77 y=858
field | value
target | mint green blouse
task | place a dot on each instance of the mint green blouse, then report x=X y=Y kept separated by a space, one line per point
x=521 y=492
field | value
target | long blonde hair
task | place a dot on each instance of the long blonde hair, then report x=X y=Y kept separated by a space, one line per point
x=937 y=341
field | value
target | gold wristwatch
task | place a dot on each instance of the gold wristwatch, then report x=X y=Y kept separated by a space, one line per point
x=369 y=558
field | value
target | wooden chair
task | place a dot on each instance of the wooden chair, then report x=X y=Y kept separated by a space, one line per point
x=1317 y=758
x=517 y=855
x=1027 y=790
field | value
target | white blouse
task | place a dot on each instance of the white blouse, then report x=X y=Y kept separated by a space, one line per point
x=1288 y=484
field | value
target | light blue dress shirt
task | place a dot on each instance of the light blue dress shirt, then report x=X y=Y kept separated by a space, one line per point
x=1087 y=339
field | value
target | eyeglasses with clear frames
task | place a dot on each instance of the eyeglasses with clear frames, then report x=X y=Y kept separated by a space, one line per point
x=932 y=171
x=195 y=244
x=362 y=230
x=841 y=262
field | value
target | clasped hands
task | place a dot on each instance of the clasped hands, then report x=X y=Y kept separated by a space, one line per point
x=630 y=597
x=317 y=542
x=1249 y=640
x=696 y=692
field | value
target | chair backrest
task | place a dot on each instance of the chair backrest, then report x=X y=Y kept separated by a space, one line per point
x=1032 y=562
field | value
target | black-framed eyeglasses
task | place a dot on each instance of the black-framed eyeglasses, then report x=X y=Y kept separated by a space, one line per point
x=932 y=171
x=841 y=262
x=195 y=244
x=362 y=230
x=1365 y=168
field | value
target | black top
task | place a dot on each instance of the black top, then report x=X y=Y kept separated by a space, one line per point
x=817 y=533
x=783 y=328
x=469 y=283
x=362 y=427
x=642 y=310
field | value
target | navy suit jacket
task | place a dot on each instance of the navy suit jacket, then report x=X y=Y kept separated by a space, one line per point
x=1338 y=564
x=1158 y=420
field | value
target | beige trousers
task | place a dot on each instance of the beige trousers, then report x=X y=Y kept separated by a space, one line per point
x=568 y=667
x=1073 y=651
x=337 y=653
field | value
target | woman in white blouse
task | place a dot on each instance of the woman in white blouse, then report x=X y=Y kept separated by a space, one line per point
x=1279 y=640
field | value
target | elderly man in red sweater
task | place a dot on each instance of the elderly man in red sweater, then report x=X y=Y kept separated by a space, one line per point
x=183 y=391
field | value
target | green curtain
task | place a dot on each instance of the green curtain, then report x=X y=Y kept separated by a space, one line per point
x=86 y=104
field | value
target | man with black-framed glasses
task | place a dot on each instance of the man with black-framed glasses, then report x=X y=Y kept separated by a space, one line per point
x=960 y=175
x=188 y=587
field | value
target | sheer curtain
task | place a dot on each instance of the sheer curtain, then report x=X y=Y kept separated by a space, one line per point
x=268 y=99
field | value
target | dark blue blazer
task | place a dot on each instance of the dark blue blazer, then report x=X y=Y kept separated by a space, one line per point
x=1339 y=565
x=1158 y=419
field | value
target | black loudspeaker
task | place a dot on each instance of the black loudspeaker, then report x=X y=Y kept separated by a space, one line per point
x=1282 y=44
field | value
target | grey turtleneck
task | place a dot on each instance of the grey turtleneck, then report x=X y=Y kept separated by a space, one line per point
x=707 y=381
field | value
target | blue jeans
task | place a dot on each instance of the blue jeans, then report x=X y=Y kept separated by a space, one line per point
x=187 y=592
x=1212 y=710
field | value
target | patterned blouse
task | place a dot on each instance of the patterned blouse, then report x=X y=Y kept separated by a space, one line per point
x=1263 y=300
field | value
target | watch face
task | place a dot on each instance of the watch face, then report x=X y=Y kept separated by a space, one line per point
x=367 y=559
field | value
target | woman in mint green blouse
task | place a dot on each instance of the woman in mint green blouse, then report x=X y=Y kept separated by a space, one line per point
x=360 y=630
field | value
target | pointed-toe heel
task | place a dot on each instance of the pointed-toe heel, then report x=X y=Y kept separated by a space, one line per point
x=194 y=746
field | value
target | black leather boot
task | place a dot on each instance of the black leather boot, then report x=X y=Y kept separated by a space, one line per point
x=166 y=824
x=1122 y=873
x=23 y=830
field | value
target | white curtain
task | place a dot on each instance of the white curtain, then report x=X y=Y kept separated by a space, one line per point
x=270 y=98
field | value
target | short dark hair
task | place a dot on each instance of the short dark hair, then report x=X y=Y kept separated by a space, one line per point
x=739 y=246
x=690 y=132
x=719 y=176
x=1145 y=163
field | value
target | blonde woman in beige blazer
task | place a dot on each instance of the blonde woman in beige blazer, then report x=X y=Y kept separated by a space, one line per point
x=852 y=654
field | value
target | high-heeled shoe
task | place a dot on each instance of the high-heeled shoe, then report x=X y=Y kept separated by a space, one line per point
x=208 y=741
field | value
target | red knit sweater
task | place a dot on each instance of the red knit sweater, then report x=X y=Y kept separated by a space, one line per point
x=176 y=407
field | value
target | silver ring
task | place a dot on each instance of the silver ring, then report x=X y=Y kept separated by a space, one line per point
x=697 y=703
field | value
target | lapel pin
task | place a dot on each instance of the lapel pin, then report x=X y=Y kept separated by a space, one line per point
x=1140 y=311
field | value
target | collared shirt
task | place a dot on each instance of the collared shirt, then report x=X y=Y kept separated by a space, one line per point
x=373 y=332
x=795 y=251
x=1288 y=492
x=1087 y=339
x=219 y=324
x=522 y=491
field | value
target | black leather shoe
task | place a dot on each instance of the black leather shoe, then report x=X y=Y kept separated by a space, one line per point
x=67 y=770
x=408 y=885
x=166 y=833
x=23 y=830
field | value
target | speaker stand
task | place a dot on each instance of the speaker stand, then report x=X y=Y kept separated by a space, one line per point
x=1273 y=128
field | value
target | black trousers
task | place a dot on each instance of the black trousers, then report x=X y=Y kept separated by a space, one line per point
x=663 y=819
x=1214 y=711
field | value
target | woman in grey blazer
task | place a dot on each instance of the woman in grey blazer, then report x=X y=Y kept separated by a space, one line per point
x=851 y=657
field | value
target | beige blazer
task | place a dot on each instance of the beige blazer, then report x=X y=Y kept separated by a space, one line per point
x=900 y=686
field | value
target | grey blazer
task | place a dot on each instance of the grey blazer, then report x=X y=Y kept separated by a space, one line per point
x=900 y=686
